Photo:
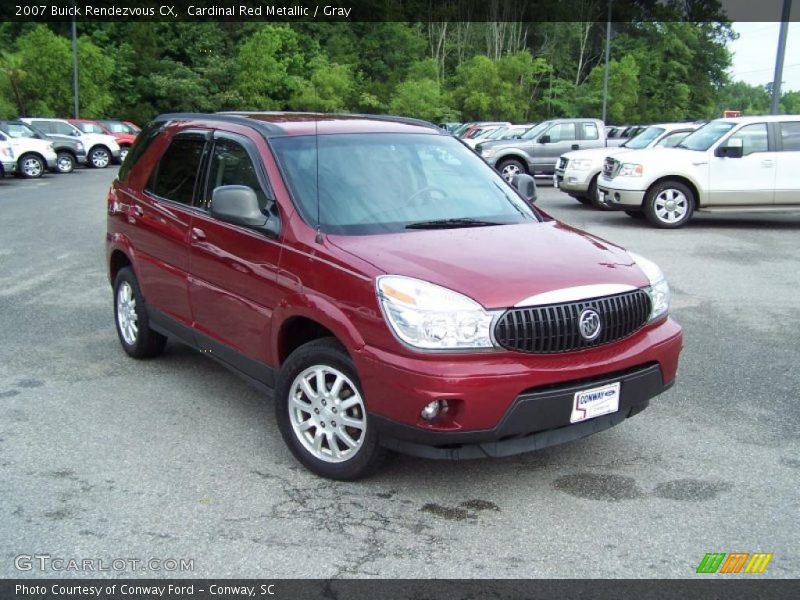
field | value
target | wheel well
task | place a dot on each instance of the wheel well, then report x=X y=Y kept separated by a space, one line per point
x=679 y=179
x=298 y=331
x=65 y=151
x=96 y=146
x=119 y=260
x=516 y=157
x=32 y=153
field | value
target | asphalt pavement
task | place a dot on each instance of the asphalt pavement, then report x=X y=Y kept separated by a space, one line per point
x=103 y=457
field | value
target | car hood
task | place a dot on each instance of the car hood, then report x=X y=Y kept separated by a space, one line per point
x=100 y=138
x=659 y=156
x=22 y=145
x=595 y=153
x=498 y=266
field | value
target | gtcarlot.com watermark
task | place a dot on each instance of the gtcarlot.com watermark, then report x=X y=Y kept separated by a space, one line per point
x=58 y=564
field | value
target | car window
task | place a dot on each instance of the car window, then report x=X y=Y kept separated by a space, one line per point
x=671 y=140
x=754 y=138
x=56 y=127
x=790 y=135
x=175 y=174
x=90 y=128
x=644 y=139
x=232 y=165
x=561 y=132
x=18 y=130
x=590 y=131
x=379 y=183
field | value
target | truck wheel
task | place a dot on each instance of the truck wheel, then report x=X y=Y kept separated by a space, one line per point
x=510 y=167
x=123 y=152
x=593 y=195
x=320 y=410
x=669 y=204
x=65 y=162
x=30 y=166
x=99 y=157
x=133 y=325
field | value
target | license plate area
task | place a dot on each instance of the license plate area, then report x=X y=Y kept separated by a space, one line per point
x=595 y=402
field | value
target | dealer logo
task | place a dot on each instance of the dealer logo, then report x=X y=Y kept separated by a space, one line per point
x=589 y=324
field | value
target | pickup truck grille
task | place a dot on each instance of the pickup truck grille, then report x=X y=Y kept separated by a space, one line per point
x=555 y=327
x=562 y=163
x=610 y=168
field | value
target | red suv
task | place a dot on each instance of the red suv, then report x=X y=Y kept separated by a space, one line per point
x=383 y=284
x=124 y=138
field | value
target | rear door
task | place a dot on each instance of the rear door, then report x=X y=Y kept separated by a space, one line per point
x=749 y=180
x=233 y=283
x=162 y=216
x=787 y=176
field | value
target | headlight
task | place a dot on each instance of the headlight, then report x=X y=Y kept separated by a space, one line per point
x=580 y=164
x=51 y=147
x=80 y=147
x=631 y=170
x=488 y=152
x=658 y=290
x=430 y=317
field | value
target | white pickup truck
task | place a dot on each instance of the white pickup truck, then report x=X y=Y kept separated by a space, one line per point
x=577 y=171
x=729 y=165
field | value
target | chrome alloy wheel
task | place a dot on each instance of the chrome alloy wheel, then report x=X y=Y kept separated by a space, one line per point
x=127 y=318
x=509 y=171
x=100 y=158
x=32 y=166
x=671 y=205
x=64 y=163
x=327 y=414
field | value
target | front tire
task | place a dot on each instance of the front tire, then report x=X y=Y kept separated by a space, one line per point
x=30 y=166
x=130 y=315
x=65 y=163
x=510 y=167
x=321 y=413
x=123 y=152
x=99 y=157
x=593 y=195
x=669 y=204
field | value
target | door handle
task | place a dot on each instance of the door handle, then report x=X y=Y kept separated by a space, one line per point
x=767 y=163
x=700 y=163
x=575 y=146
x=137 y=210
x=198 y=234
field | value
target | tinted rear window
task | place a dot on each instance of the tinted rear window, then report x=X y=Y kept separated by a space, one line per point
x=175 y=175
x=142 y=143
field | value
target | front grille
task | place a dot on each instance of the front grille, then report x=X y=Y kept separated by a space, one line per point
x=562 y=163
x=610 y=168
x=554 y=327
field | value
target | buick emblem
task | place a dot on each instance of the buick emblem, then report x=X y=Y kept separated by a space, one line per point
x=589 y=324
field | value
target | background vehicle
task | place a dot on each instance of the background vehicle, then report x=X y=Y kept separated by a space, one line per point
x=537 y=150
x=101 y=149
x=8 y=164
x=743 y=164
x=403 y=318
x=124 y=138
x=577 y=172
x=34 y=156
x=505 y=132
x=70 y=151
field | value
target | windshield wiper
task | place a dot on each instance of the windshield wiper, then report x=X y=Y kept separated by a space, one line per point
x=450 y=224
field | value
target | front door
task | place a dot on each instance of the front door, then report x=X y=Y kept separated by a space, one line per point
x=233 y=282
x=749 y=180
x=563 y=136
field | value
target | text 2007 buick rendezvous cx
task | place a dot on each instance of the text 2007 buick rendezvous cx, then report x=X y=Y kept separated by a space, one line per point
x=388 y=288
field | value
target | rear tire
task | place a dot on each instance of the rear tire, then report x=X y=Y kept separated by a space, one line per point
x=669 y=204
x=130 y=316
x=307 y=416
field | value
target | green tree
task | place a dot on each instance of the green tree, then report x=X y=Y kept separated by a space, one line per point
x=623 y=91
x=329 y=88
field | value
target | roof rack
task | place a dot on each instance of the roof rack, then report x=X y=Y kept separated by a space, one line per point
x=238 y=118
x=388 y=118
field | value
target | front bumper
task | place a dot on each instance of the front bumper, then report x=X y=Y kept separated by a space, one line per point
x=81 y=159
x=510 y=402
x=573 y=182
x=115 y=155
x=9 y=166
x=620 y=199
x=51 y=162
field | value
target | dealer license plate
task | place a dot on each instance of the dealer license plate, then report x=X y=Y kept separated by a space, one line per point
x=595 y=402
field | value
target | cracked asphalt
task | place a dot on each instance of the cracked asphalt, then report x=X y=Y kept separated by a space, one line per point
x=104 y=457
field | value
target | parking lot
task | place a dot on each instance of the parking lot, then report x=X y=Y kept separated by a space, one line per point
x=104 y=457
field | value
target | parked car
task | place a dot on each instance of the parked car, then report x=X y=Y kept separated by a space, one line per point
x=134 y=128
x=123 y=138
x=69 y=151
x=101 y=149
x=449 y=127
x=504 y=132
x=383 y=284
x=472 y=127
x=577 y=171
x=8 y=164
x=538 y=149
x=741 y=164
x=34 y=156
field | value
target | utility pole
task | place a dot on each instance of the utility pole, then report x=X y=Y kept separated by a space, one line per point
x=608 y=55
x=776 y=81
x=75 y=65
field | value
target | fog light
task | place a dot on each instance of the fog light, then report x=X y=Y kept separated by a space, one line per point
x=433 y=409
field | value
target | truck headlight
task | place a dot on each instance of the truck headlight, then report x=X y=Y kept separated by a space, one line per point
x=580 y=164
x=658 y=290
x=631 y=170
x=429 y=317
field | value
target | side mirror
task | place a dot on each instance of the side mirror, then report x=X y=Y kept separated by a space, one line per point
x=238 y=204
x=545 y=139
x=733 y=148
x=526 y=186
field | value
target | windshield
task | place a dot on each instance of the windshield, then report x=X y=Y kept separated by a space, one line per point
x=18 y=130
x=644 y=139
x=706 y=136
x=536 y=130
x=389 y=182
